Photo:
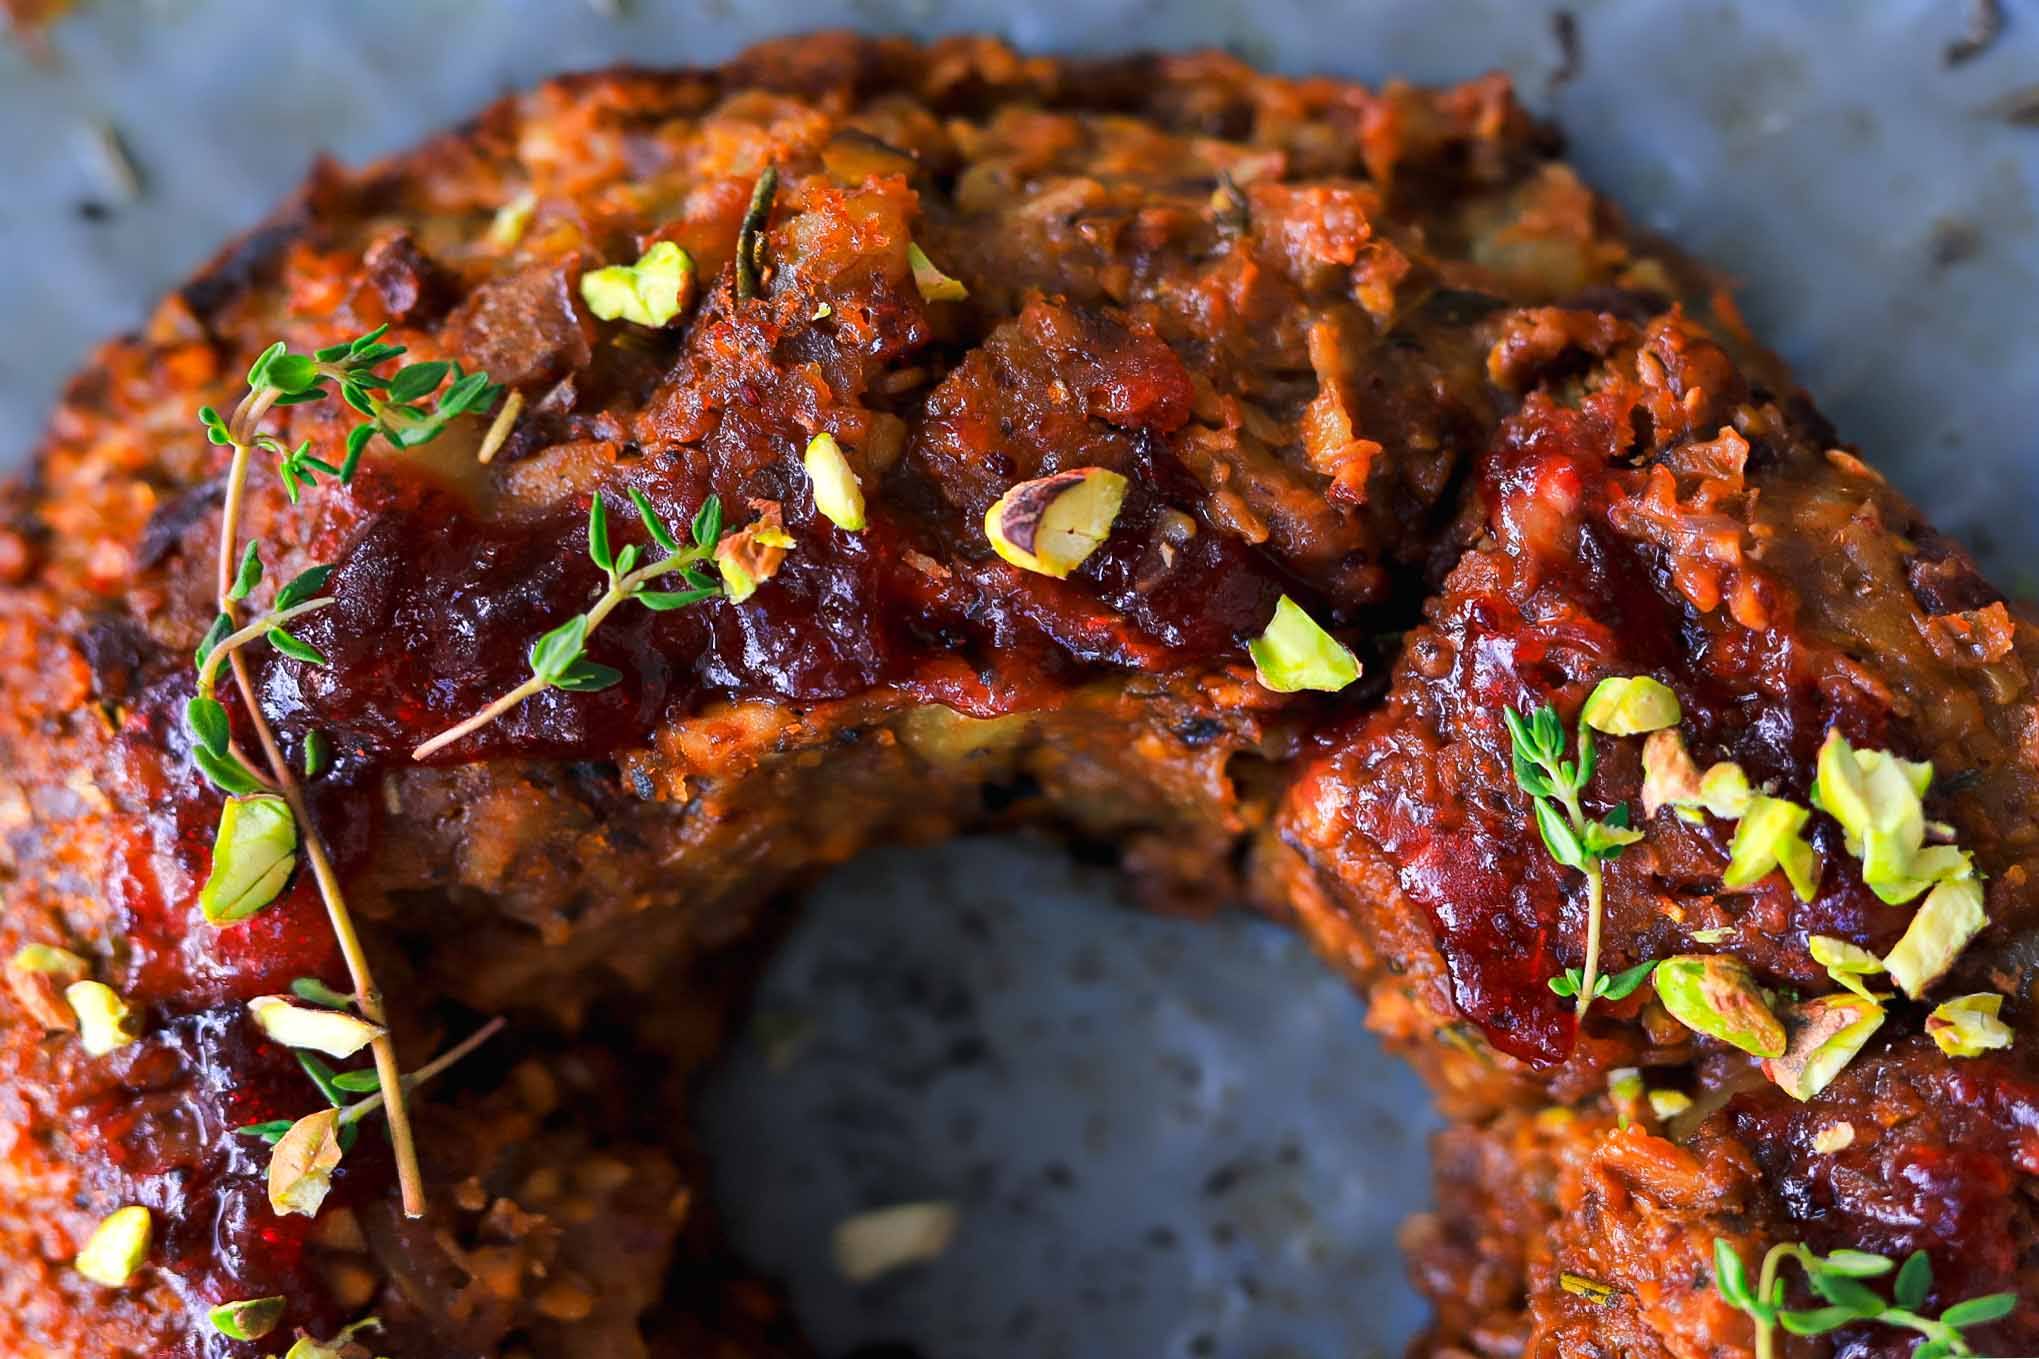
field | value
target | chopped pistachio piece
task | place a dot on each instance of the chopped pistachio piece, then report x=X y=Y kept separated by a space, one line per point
x=1294 y=653
x=1951 y=915
x=50 y=961
x=647 y=293
x=753 y=554
x=1670 y=778
x=878 y=1242
x=1716 y=995
x=1625 y=1084
x=333 y=1032
x=1825 y=1034
x=302 y=1162
x=1769 y=835
x=1967 y=1026
x=1050 y=525
x=1591 y=1290
x=1846 y=963
x=934 y=285
x=512 y=219
x=1877 y=798
x=837 y=491
x=1717 y=934
x=249 y=1319
x=1669 y=1103
x=117 y=1247
x=37 y=975
x=104 y=1020
x=338 y=1347
x=1724 y=790
x=253 y=855
x=1630 y=705
x=1834 y=1137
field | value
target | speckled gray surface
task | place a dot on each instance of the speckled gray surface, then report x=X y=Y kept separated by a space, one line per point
x=1165 y=1138
x=1168 y=1139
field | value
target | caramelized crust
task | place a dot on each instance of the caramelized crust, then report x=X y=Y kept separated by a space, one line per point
x=1375 y=350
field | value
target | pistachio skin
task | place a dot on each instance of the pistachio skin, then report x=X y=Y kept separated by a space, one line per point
x=1968 y=1026
x=1052 y=524
x=1825 y=1033
x=1716 y=995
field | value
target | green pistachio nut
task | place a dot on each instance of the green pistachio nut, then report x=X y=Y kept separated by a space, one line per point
x=117 y=1247
x=337 y=1033
x=1950 y=916
x=1670 y=778
x=1294 y=653
x=934 y=285
x=1967 y=1026
x=1724 y=790
x=1630 y=705
x=1878 y=799
x=104 y=1020
x=1715 y=995
x=1846 y=963
x=1052 y=524
x=1824 y=1034
x=837 y=492
x=249 y=1319
x=1770 y=835
x=48 y=960
x=512 y=219
x=254 y=853
x=648 y=293
x=302 y=1162
x=1668 y=1104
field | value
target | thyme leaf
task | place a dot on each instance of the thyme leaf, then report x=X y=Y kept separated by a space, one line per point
x=1837 y=1279
x=1537 y=756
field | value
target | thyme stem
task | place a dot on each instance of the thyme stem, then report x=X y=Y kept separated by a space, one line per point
x=410 y=1179
x=527 y=689
x=361 y=1109
x=254 y=631
x=1766 y=1285
x=1595 y=893
x=620 y=589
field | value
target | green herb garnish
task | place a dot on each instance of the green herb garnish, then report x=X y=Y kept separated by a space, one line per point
x=1837 y=1279
x=559 y=658
x=269 y=823
x=1609 y=985
x=1574 y=840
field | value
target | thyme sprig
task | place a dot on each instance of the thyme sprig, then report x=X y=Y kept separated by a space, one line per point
x=337 y=1085
x=1575 y=840
x=1608 y=985
x=398 y=406
x=407 y=408
x=559 y=658
x=1837 y=1279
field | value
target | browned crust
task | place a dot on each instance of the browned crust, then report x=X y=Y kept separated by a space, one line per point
x=1430 y=364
